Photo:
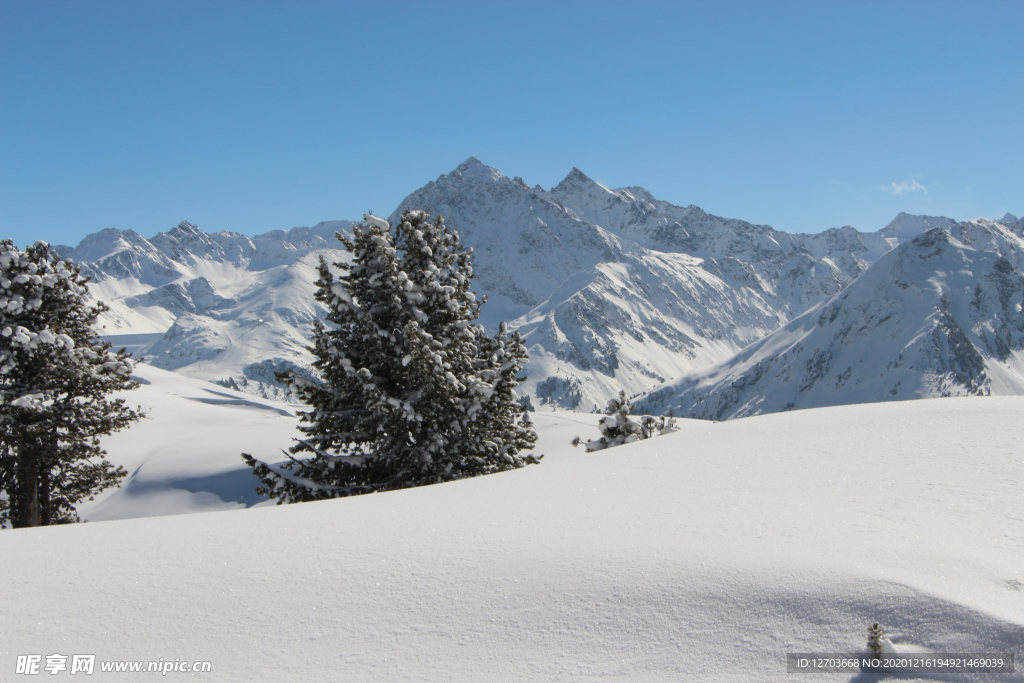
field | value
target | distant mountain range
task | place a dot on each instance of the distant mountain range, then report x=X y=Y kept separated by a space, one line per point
x=216 y=306
x=940 y=315
x=612 y=289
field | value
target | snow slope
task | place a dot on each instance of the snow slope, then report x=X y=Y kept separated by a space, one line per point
x=940 y=315
x=702 y=555
x=185 y=456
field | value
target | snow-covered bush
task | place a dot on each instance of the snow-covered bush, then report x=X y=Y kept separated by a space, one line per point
x=618 y=428
x=878 y=641
x=410 y=390
x=55 y=376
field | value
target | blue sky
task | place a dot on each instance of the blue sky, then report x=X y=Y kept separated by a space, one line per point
x=255 y=116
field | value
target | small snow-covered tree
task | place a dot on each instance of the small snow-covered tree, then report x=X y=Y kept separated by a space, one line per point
x=56 y=375
x=410 y=390
x=878 y=641
x=618 y=428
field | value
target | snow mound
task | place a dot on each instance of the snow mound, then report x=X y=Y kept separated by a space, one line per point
x=185 y=457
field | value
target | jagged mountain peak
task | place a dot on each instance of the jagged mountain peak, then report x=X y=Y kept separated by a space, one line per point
x=1008 y=218
x=472 y=169
x=576 y=179
x=525 y=243
x=469 y=163
x=579 y=186
x=183 y=232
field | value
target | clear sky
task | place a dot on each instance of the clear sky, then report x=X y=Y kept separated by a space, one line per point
x=254 y=116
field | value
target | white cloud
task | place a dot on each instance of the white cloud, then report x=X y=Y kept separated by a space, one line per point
x=904 y=187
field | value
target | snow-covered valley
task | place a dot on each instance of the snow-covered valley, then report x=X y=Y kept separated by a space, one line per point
x=706 y=554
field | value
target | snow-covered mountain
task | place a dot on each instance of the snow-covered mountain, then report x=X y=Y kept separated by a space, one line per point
x=940 y=315
x=613 y=289
x=222 y=307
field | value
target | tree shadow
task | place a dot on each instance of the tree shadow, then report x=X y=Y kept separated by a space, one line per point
x=233 y=486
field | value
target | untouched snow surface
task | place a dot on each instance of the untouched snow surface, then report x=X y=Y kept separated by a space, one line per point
x=184 y=456
x=702 y=555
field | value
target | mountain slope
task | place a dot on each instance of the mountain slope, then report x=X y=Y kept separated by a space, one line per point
x=940 y=315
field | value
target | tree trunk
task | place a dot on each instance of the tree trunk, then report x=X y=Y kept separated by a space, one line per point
x=25 y=506
x=45 y=514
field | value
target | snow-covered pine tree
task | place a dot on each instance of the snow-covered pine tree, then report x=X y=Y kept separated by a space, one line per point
x=878 y=641
x=619 y=428
x=55 y=378
x=410 y=390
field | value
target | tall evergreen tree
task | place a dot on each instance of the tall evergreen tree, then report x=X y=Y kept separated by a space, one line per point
x=55 y=378
x=410 y=390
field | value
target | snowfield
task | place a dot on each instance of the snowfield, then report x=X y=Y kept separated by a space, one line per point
x=704 y=555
